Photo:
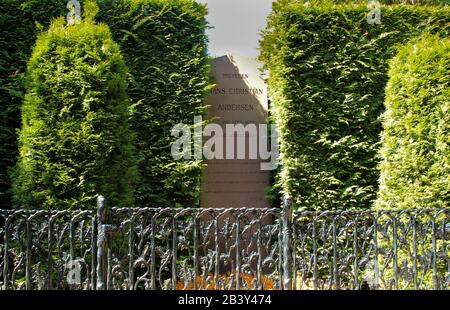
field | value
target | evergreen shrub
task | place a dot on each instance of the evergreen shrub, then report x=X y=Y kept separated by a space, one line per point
x=328 y=72
x=75 y=141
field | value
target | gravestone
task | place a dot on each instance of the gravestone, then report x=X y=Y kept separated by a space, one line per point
x=239 y=97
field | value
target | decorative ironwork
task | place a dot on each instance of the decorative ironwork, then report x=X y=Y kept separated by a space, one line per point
x=388 y=249
x=154 y=248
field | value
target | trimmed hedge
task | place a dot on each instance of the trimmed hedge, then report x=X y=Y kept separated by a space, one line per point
x=415 y=152
x=75 y=140
x=366 y=2
x=415 y=166
x=20 y=21
x=328 y=71
x=164 y=46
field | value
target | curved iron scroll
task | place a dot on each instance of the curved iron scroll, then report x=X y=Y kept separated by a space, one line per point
x=154 y=248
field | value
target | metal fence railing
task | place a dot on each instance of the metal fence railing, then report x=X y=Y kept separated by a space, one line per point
x=153 y=248
x=388 y=249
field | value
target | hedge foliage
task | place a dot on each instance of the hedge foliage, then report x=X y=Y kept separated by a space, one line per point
x=367 y=2
x=20 y=21
x=328 y=71
x=164 y=46
x=75 y=140
x=415 y=152
x=415 y=166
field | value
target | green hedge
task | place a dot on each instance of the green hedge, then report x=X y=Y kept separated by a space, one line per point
x=415 y=152
x=328 y=71
x=415 y=166
x=75 y=140
x=20 y=21
x=366 y=2
x=164 y=46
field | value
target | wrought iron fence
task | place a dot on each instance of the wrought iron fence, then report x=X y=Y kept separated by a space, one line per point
x=388 y=249
x=153 y=248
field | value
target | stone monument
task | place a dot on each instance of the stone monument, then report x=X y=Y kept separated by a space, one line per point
x=238 y=97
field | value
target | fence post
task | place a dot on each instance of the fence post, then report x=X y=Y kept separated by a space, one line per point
x=286 y=242
x=101 y=243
